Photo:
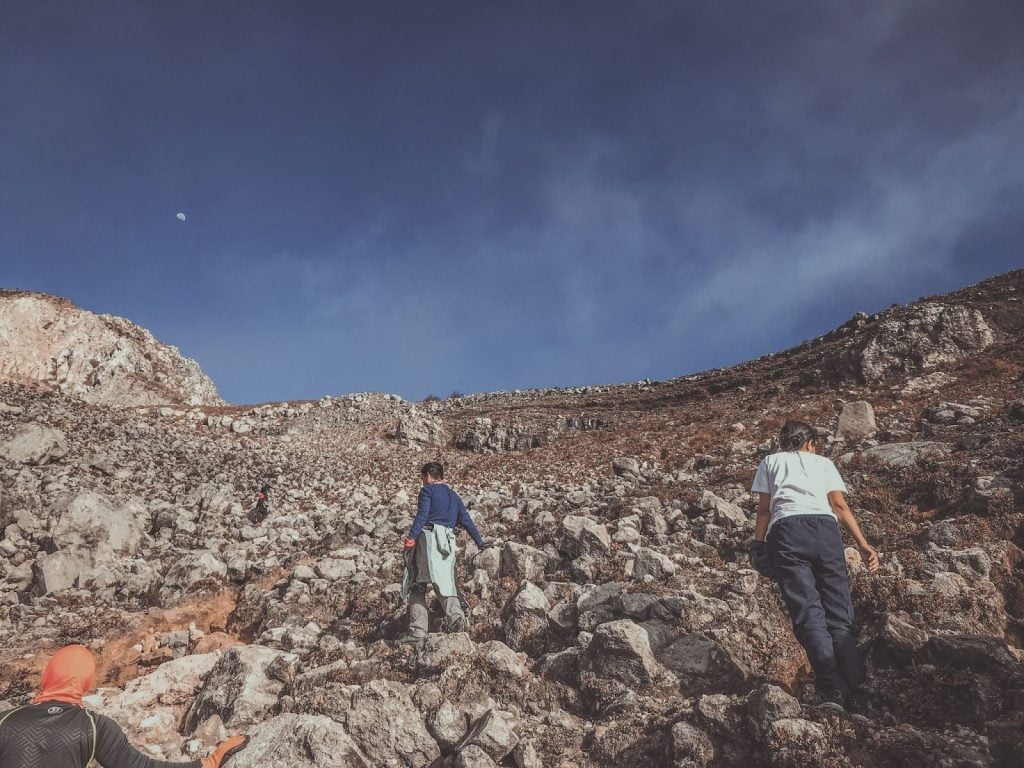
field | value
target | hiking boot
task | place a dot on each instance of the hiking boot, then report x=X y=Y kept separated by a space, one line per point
x=832 y=701
x=410 y=639
x=458 y=624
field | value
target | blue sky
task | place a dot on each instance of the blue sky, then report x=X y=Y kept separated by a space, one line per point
x=426 y=197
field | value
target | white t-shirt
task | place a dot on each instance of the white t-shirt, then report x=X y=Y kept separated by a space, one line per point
x=799 y=483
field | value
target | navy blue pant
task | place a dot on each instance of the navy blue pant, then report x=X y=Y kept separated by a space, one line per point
x=810 y=569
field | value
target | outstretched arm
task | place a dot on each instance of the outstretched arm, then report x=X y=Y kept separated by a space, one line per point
x=114 y=751
x=838 y=502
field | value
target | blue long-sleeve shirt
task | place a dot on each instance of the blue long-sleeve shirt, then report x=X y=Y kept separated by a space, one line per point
x=440 y=505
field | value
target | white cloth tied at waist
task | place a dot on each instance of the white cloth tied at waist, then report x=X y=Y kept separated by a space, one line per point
x=434 y=561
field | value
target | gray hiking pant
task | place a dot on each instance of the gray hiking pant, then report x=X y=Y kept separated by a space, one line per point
x=419 y=616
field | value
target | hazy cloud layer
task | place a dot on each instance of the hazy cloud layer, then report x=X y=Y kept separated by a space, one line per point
x=467 y=197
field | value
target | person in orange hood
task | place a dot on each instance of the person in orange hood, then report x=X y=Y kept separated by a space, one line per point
x=56 y=731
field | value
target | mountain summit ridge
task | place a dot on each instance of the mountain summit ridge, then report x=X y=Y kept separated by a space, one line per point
x=101 y=359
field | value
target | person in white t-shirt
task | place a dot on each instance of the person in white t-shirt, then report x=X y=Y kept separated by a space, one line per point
x=798 y=543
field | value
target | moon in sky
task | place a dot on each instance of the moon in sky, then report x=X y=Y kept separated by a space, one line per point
x=180 y=216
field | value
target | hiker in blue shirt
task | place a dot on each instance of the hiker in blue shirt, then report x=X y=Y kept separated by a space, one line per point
x=430 y=553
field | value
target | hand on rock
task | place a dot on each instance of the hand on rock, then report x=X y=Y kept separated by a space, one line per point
x=224 y=751
x=870 y=557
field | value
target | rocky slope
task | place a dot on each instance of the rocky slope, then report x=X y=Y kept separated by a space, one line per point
x=615 y=623
x=98 y=358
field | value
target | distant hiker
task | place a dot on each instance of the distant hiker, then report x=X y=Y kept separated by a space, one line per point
x=259 y=512
x=55 y=731
x=430 y=553
x=797 y=542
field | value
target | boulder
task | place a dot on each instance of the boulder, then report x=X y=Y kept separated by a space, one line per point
x=240 y=689
x=439 y=651
x=494 y=734
x=925 y=335
x=701 y=664
x=902 y=455
x=582 y=536
x=857 y=421
x=652 y=519
x=525 y=619
x=973 y=563
x=721 y=714
x=303 y=573
x=652 y=564
x=597 y=596
x=989 y=492
x=949 y=585
x=388 y=728
x=301 y=741
x=502 y=660
x=691 y=747
x=599 y=605
x=60 y=570
x=797 y=742
x=767 y=704
x=193 y=571
x=417 y=427
x=521 y=561
x=723 y=512
x=947 y=533
x=169 y=688
x=626 y=466
x=900 y=639
x=448 y=724
x=621 y=651
x=563 y=622
x=241 y=426
x=980 y=654
x=335 y=569
x=94 y=539
x=488 y=436
x=34 y=444
x=122 y=578
x=89 y=522
x=488 y=561
x=473 y=757
x=562 y=666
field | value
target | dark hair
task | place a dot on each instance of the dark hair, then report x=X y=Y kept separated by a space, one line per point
x=434 y=469
x=794 y=434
